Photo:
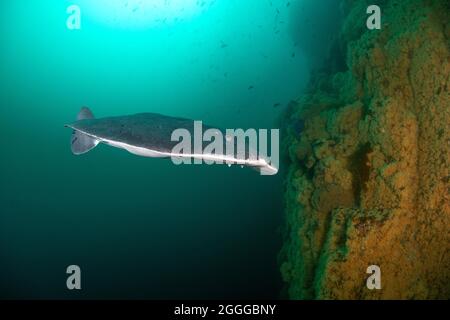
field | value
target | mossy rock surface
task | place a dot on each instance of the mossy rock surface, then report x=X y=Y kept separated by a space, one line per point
x=368 y=182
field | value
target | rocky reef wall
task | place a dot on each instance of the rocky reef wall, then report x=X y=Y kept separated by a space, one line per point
x=368 y=149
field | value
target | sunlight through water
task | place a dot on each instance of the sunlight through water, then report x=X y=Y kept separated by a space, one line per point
x=142 y=14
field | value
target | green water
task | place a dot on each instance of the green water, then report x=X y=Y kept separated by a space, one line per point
x=138 y=227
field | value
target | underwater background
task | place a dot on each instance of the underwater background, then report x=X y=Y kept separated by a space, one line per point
x=365 y=143
x=137 y=227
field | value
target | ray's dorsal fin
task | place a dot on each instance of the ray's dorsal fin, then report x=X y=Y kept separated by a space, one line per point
x=85 y=113
x=80 y=142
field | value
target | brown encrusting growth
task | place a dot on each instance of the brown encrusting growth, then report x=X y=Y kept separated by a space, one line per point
x=369 y=149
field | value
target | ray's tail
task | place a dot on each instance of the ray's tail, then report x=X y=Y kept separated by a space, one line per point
x=80 y=142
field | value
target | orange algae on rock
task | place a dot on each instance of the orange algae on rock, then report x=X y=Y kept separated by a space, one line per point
x=369 y=181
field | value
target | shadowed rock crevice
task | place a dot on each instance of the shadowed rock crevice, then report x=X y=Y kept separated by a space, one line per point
x=359 y=166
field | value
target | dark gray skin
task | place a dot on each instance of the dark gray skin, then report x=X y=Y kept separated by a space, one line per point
x=147 y=130
x=150 y=135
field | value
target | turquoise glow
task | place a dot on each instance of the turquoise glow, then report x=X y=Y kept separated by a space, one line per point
x=136 y=227
x=142 y=14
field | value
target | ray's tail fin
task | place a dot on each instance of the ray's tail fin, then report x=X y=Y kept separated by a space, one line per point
x=80 y=142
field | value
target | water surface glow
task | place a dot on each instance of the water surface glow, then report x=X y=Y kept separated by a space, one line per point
x=142 y=14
